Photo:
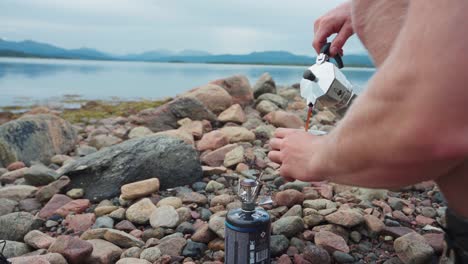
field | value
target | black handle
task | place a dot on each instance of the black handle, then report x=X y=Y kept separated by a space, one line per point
x=326 y=49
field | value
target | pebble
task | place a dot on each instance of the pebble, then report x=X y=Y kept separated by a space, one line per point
x=75 y=193
x=80 y=222
x=164 y=216
x=172 y=246
x=217 y=224
x=288 y=226
x=278 y=244
x=331 y=242
x=15 y=226
x=104 y=222
x=289 y=198
x=141 y=211
x=121 y=238
x=17 y=192
x=316 y=255
x=194 y=249
x=175 y=202
x=73 y=249
x=103 y=252
x=214 y=186
x=38 y=240
x=413 y=248
x=342 y=257
x=151 y=254
x=38 y=175
x=346 y=218
x=139 y=189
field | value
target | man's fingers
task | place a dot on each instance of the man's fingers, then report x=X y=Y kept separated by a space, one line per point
x=275 y=143
x=339 y=41
x=282 y=132
x=275 y=156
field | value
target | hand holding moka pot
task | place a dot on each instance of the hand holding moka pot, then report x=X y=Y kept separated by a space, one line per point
x=324 y=85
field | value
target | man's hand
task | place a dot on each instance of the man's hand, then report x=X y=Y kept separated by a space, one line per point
x=338 y=21
x=293 y=149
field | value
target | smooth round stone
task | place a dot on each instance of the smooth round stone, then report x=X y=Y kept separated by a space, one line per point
x=104 y=222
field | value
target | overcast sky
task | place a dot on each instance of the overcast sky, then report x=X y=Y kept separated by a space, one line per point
x=131 y=26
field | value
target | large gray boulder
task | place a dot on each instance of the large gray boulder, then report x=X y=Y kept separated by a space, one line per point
x=35 y=138
x=101 y=174
x=166 y=116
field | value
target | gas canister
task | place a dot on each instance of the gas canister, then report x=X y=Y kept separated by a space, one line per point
x=247 y=229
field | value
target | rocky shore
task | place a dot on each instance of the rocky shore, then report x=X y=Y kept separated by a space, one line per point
x=154 y=187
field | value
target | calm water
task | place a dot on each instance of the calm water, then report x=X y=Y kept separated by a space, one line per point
x=44 y=81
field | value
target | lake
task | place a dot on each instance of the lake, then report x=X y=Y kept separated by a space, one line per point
x=46 y=81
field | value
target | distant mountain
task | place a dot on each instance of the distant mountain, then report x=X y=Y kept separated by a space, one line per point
x=29 y=48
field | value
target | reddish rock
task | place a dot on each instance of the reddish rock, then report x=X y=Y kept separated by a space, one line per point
x=325 y=190
x=284 y=119
x=216 y=158
x=214 y=97
x=396 y=231
x=46 y=192
x=233 y=114
x=125 y=225
x=309 y=235
x=80 y=222
x=73 y=249
x=347 y=218
x=57 y=201
x=289 y=198
x=203 y=234
x=16 y=166
x=212 y=140
x=284 y=259
x=238 y=87
x=374 y=224
x=436 y=241
x=385 y=207
x=422 y=220
x=76 y=206
x=172 y=246
x=12 y=176
x=50 y=258
x=331 y=242
x=38 y=240
x=299 y=259
x=103 y=252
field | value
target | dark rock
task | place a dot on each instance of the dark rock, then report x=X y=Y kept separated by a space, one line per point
x=35 y=138
x=15 y=226
x=342 y=257
x=102 y=173
x=264 y=84
x=316 y=255
x=39 y=175
x=166 y=116
x=194 y=249
x=278 y=244
x=185 y=228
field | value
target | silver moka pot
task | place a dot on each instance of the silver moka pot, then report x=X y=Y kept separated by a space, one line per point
x=324 y=85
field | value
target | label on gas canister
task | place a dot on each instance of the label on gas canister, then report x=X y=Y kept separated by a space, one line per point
x=249 y=247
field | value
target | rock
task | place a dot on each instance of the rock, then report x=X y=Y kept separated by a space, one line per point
x=234 y=157
x=17 y=192
x=29 y=205
x=102 y=141
x=80 y=222
x=238 y=87
x=151 y=254
x=331 y=242
x=175 y=202
x=264 y=84
x=172 y=246
x=178 y=134
x=214 y=97
x=164 y=216
x=50 y=258
x=278 y=244
x=223 y=199
x=118 y=214
x=365 y=194
x=284 y=259
x=185 y=228
x=422 y=220
x=274 y=98
x=125 y=225
x=216 y=224
x=288 y=226
x=132 y=261
x=35 y=138
x=295 y=210
x=104 y=222
x=140 y=212
x=60 y=159
x=313 y=219
x=234 y=113
x=73 y=249
x=105 y=209
x=7 y=206
x=412 y=248
x=284 y=119
x=212 y=140
x=316 y=255
x=12 y=176
x=214 y=186
x=14 y=249
x=15 y=226
x=203 y=234
x=38 y=240
x=139 y=131
x=84 y=150
x=103 y=252
x=121 y=238
x=265 y=107
x=428 y=212
x=289 y=198
x=74 y=206
x=342 y=257
x=347 y=218
x=45 y=193
x=374 y=224
x=436 y=241
x=396 y=231
x=139 y=189
x=16 y=166
x=39 y=174
x=264 y=131
x=194 y=249
x=238 y=134
x=195 y=128
x=94 y=233
x=133 y=252
x=102 y=173
x=194 y=197
x=319 y=204
x=166 y=116
x=216 y=158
